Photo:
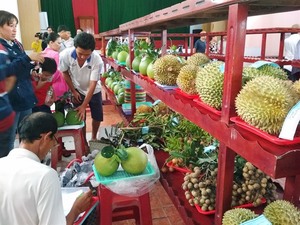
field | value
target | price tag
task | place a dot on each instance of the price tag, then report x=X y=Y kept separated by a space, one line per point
x=290 y=123
x=261 y=63
x=261 y=220
x=145 y=130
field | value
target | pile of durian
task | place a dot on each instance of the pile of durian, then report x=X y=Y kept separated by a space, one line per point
x=279 y=212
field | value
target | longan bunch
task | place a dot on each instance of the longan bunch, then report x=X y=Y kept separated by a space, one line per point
x=200 y=188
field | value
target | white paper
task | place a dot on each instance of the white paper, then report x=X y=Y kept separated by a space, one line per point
x=290 y=123
x=69 y=199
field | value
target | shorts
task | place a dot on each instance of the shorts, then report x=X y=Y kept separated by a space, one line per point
x=95 y=106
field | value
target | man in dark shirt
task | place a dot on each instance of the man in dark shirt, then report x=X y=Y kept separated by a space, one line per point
x=200 y=44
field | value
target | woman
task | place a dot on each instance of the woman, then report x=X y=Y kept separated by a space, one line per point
x=21 y=96
x=52 y=51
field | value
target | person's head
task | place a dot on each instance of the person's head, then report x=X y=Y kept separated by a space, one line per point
x=8 y=25
x=62 y=30
x=84 y=44
x=79 y=30
x=49 y=29
x=295 y=26
x=48 y=68
x=203 y=37
x=37 y=132
x=37 y=36
x=53 y=41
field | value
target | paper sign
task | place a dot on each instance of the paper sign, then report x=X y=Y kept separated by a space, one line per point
x=290 y=123
x=261 y=220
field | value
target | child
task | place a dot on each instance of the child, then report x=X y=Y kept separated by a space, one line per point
x=42 y=84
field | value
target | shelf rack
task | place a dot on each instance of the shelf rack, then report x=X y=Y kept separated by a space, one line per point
x=275 y=158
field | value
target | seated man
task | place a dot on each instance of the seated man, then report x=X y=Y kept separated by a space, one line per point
x=30 y=191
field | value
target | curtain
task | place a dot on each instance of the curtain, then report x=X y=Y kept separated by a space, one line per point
x=60 y=12
x=112 y=13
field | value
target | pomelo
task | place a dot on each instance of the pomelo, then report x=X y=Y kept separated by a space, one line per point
x=72 y=118
x=59 y=117
x=122 y=57
x=136 y=162
x=146 y=60
x=106 y=166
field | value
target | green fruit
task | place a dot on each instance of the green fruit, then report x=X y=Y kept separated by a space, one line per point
x=108 y=80
x=115 y=55
x=120 y=98
x=150 y=72
x=136 y=63
x=237 y=216
x=122 y=56
x=209 y=84
x=106 y=166
x=121 y=90
x=144 y=64
x=198 y=59
x=117 y=87
x=136 y=162
x=72 y=118
x=282 y=212
x=60 y=118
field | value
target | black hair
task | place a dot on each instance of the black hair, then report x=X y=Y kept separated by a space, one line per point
x=85 y=41
x=49 y=65
x=35 y=124
x=50 y=28
x=62 y=28
x=52 y=37
x=7 y=18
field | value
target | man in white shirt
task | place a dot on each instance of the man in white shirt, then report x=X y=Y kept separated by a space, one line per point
x=65 y=35
x=30 y=191
x=290 y=46
x=81 y=67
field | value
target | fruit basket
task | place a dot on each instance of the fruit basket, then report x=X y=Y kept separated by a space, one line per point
x=241 y=123
x=121 y=175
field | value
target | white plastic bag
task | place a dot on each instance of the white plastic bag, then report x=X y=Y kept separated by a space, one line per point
x=137 y=186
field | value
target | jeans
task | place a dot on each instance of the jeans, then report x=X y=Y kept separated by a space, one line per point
x=12 y=134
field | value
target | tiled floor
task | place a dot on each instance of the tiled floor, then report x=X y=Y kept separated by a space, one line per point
x=163 y=210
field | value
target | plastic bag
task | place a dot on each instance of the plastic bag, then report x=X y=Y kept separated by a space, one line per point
x=137 y=186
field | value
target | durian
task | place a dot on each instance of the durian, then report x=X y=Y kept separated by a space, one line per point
x=166 y=70
x=282 y=212
x=237 y=216
x=198 y=59
x=144 y=109
x=265 y=101
x=161 y=109
x=267 y=70
x=187 y=78
x=209 y=84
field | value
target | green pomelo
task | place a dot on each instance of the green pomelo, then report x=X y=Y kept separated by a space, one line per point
x=128 y=61
x=144 y=64
x=115 y=55
x=136 y=63
x=136 y=162
x=59 y=117
x=121 y=90
x=117 y=87
x=150 y=72
x=108 y=80
x=105 y=166
x=121 y=98
x=122 y=57
x=72 y=118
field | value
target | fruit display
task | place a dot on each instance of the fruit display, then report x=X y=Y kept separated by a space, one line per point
x=250 y=185
x=209 y=84
x=237 y=216
x=281 y=212
x=265 y=101
x=166 y=70
x=187 y=78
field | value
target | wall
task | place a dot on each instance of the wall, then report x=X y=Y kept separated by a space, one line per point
x=29 y=20
x=269 y=21
x=12 y=6
x=85 y=8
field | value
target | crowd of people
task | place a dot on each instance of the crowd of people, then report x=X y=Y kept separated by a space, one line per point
x=30 y=191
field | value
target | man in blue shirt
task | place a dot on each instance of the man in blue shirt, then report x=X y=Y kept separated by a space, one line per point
x=200 y=45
